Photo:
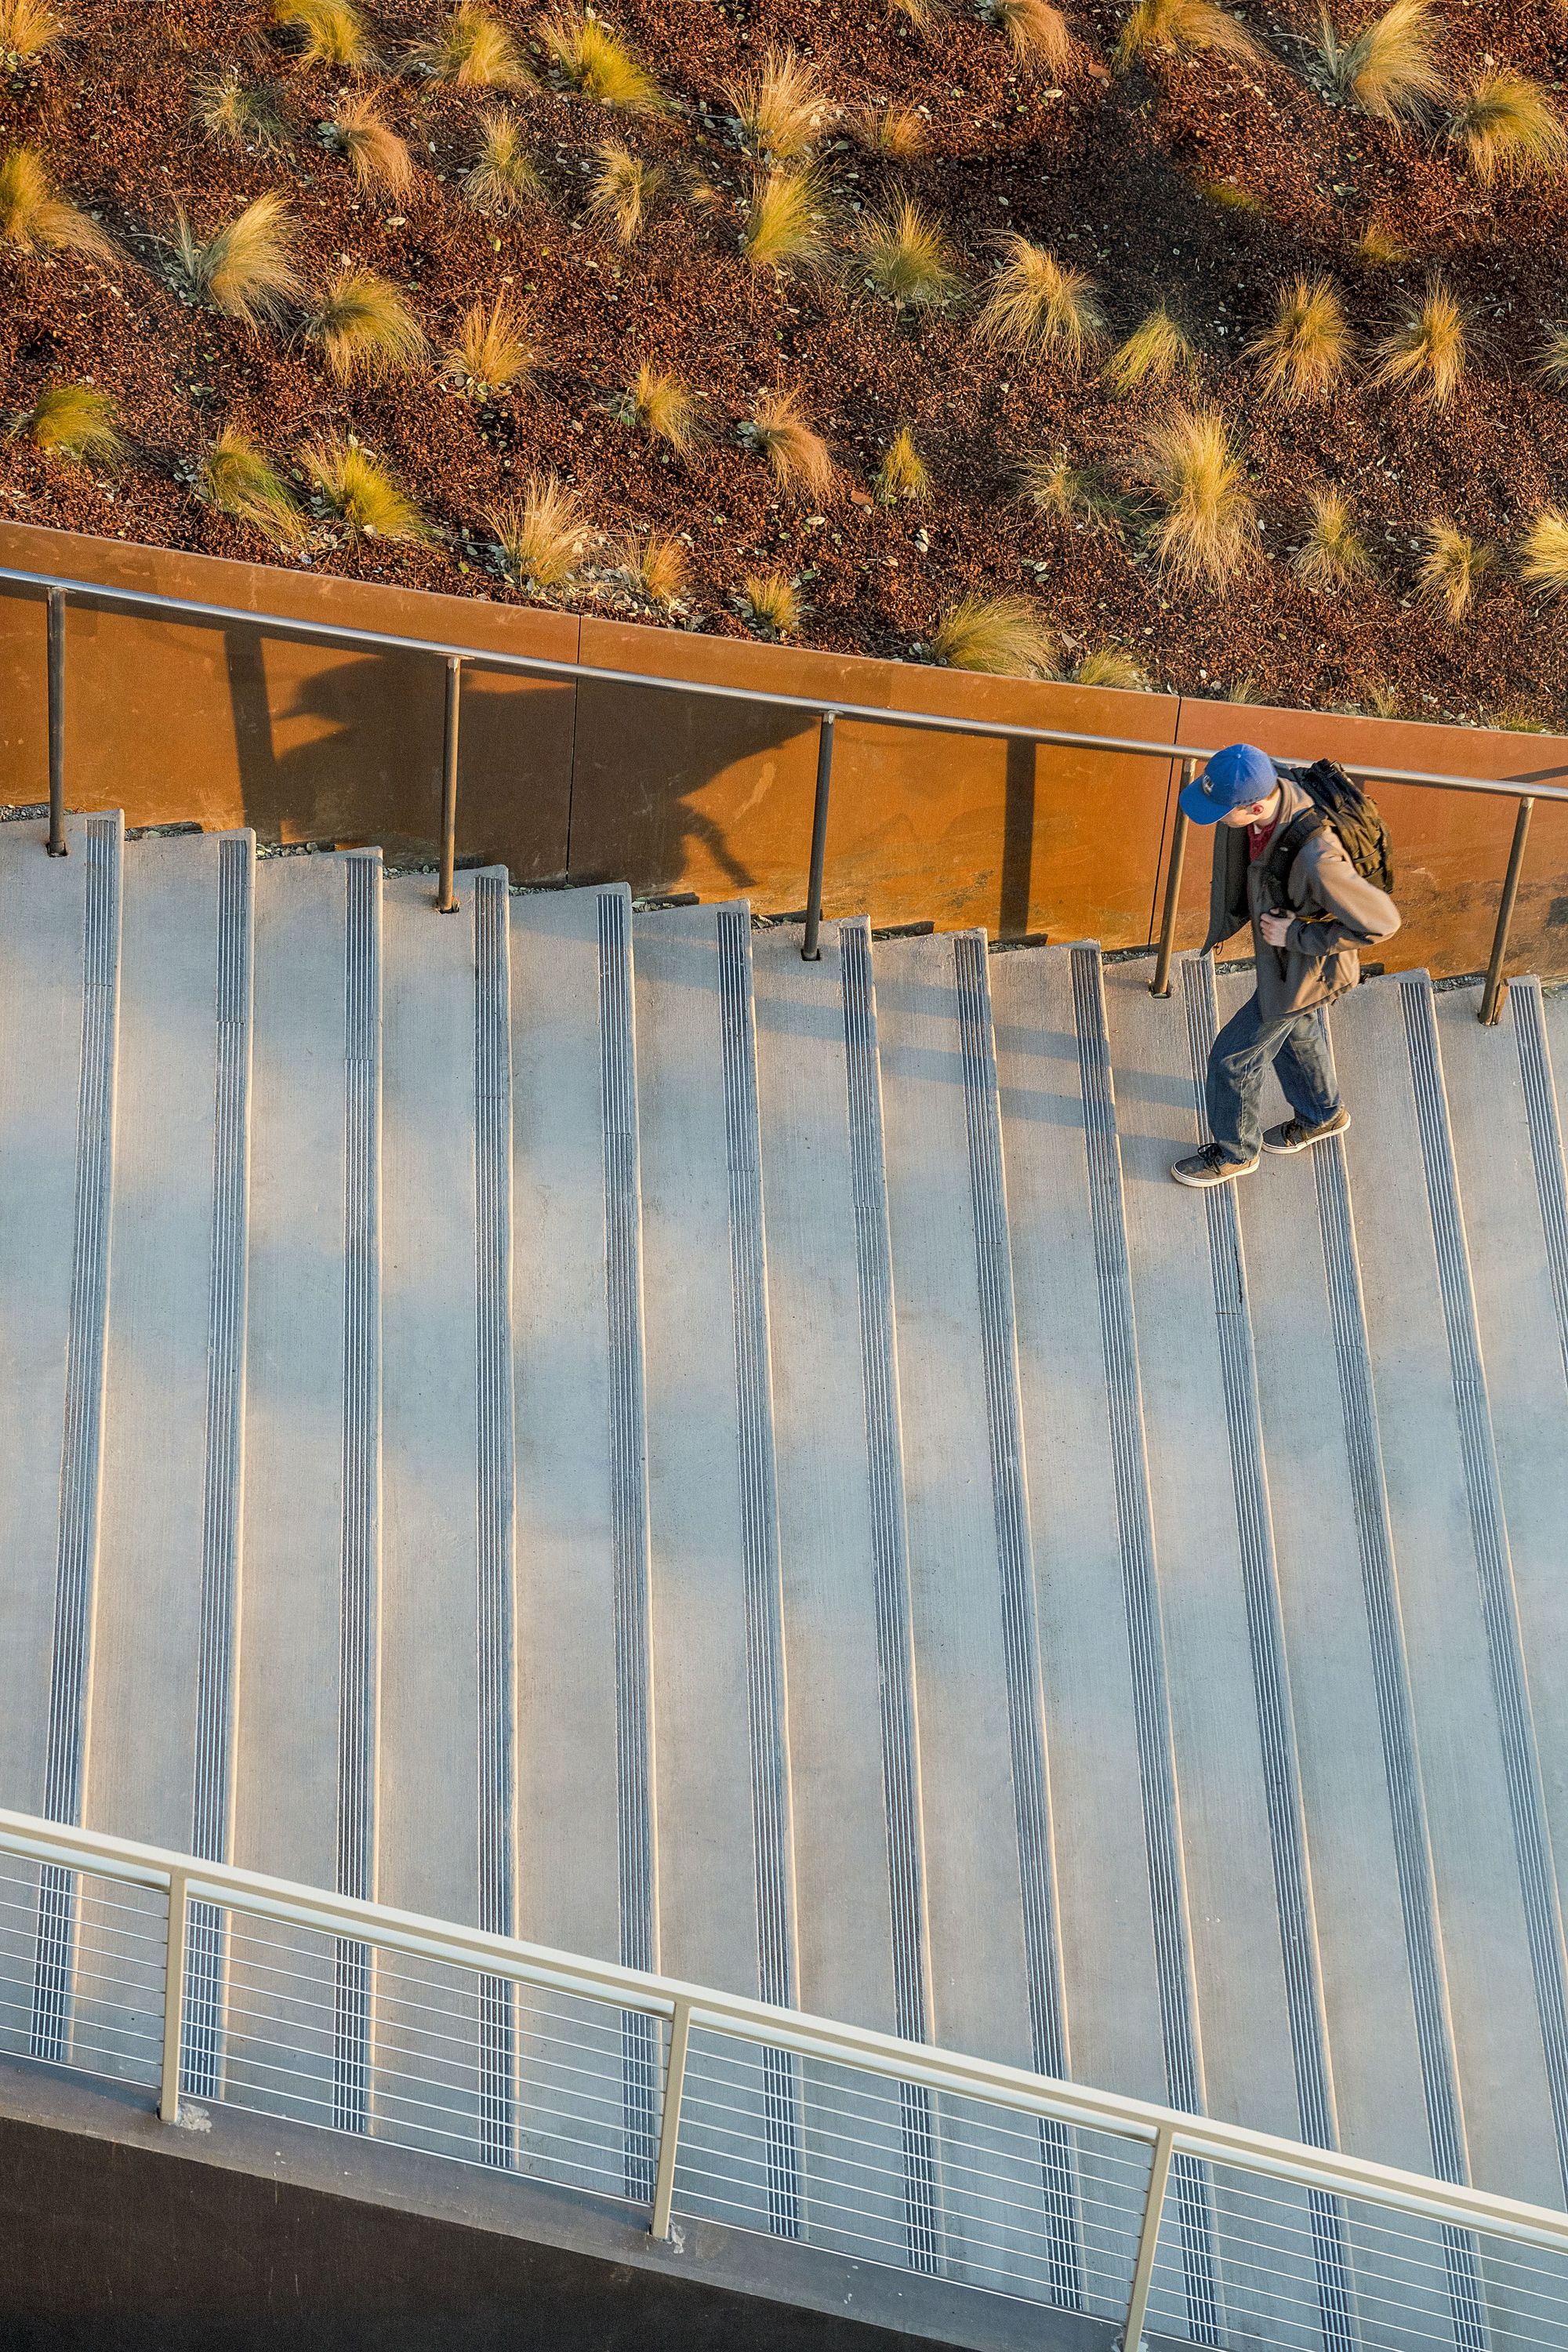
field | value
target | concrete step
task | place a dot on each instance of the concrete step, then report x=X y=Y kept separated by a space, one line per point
x=1106 y=1694
x=60 y=973
x=1384 y=1996
x=175 y=1373
x=1485 y=1819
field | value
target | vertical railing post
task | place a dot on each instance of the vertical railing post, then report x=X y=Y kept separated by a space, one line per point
x=809 y=950
x=1496 y=989
x=59 y=847
x=174 y=1999
x=1161 y=983
x=669 y=2119
x=1148 y=2239
x=447 y=901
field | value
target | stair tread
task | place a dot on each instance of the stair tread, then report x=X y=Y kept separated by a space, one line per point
x=168 y=1334
x=1496 y=2030
x=1111 y=1988
x=964 y=1481
x=582 y=1506
x=1197 y=1453
x=839 y=1487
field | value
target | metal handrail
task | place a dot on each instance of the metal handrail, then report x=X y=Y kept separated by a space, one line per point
x=187 y=1878
x=56 y=589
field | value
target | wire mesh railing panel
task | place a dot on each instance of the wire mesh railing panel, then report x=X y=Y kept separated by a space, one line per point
x=888 y=2171
x=82 y=1962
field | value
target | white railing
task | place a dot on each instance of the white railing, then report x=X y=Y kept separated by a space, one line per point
x=206 y=1984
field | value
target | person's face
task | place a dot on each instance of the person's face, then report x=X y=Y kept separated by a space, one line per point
x=1254 y=813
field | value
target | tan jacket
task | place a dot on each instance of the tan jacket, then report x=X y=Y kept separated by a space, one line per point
x=1337 y=912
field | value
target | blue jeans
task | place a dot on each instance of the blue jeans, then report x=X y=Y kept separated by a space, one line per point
x=1237 y=1059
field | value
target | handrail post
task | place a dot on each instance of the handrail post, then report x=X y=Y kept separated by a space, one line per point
x=810 y=952
x=1496 y=989
x=56 y=602
x=1148 y=2239
x=1161 y=983
x=669 y=2119
x=447 y=902
x=174 y=1999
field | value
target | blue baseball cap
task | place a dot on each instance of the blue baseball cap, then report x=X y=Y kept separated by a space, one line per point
x=1234 y=779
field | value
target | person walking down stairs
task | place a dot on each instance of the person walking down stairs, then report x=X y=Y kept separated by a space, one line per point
x=1303 y=855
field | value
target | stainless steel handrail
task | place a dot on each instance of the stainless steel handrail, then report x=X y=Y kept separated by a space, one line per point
x=187 y=1879
x=56 y=589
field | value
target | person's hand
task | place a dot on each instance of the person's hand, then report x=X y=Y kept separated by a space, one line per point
x=1275 y=930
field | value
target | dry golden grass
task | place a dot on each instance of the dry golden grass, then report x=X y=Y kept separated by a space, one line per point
x=1230 y=197
x=1002 y=635
x=472 y=50
x=1384 y=699
x=772 y=604
x=28 y=29
x=594 y=63
x=1055 y=486
x=1209 y=530
x=1038 y=306
x=503 y=176
x=783 y=228
x=1302 y=353
x=1552 y=357
x=373 y=150
x=492 y=354
x=1111 y=666
x=1155 y=351
x=1378 y=247
x=1037 y=32
x=656 y=563
x=360 y=491
x=1452 y=568
x=895 y=130
x=247 y=271
x=1184 y=28
x=34 y=219
x=1333 y=554
x=903 y=472
x=920 y=14
x=905 y=256
x=1388 y=69
x=663 y=409
x=239 y=479
x=782 y=106
x=72 y=420
x=365 y=329
x=1544 y=553
x=326 y=32
x=540 y=532
x=621 y=188
x=234 y=113
x=1509 y=130
x=1426 y=354
x=798 y=457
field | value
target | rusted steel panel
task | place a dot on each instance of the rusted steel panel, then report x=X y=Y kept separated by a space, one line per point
x=1450 y=849
x=228 y=726
x=951 y=829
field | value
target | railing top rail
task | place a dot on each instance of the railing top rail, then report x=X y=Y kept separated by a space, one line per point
x=810 y=706
x=256 y=1894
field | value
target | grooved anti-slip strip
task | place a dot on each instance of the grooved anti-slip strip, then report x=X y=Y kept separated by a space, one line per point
x=637 y=1827
x=75 y=1556
x=890 y=1572
x=761 y=1577
x=1494 y=1567
x=1546 y=1142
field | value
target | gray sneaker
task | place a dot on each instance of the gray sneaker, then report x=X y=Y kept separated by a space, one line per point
x=1298 y=1134
x=1210 y=1167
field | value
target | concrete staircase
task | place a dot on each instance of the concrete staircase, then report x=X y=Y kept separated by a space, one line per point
x=569 y=1419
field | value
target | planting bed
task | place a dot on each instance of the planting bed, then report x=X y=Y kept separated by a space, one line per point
x=1116 y=173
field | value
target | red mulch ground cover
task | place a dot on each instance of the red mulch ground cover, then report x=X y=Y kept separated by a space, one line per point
x=1110 y=171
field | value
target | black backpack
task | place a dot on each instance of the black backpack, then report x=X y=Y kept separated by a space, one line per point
x=1340 y=804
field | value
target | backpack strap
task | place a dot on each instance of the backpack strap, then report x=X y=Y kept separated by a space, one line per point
x=1285 y=845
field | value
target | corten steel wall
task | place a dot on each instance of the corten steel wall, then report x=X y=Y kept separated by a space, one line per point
x=228 y=726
